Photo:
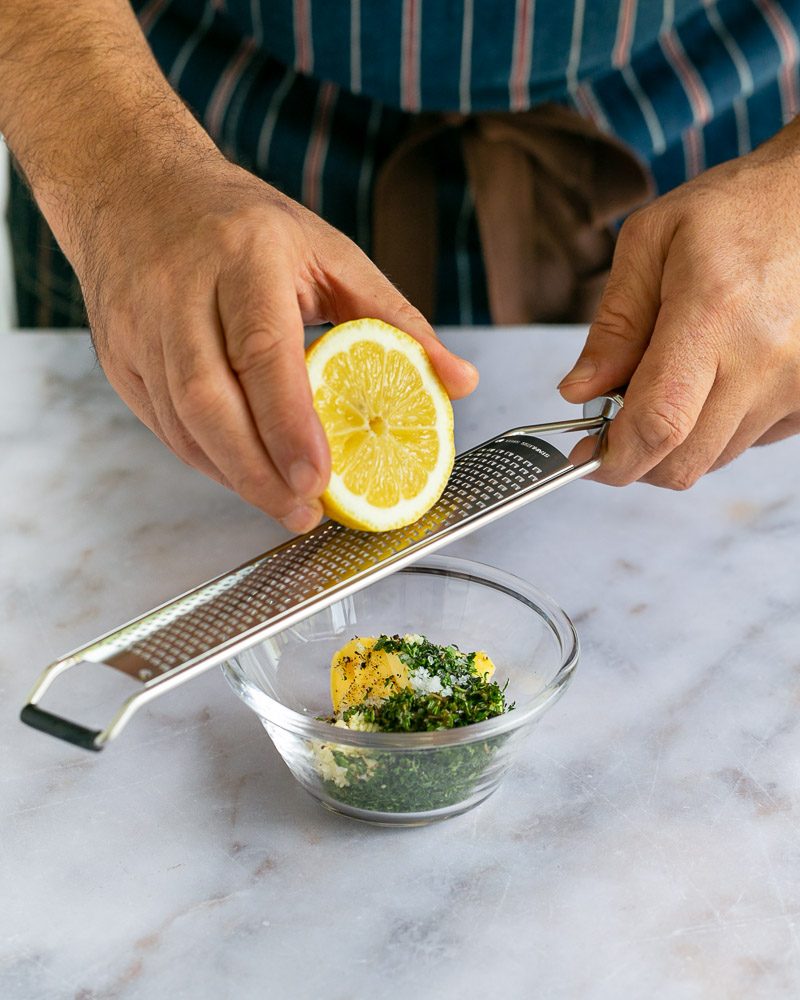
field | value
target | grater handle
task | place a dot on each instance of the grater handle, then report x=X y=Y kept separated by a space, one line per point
x=606 y=406
x=597 y=416
x=63 y=729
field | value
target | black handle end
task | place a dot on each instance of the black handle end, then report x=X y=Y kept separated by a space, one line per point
x=56 y=725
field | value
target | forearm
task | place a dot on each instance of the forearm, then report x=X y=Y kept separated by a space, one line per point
x=87 y=112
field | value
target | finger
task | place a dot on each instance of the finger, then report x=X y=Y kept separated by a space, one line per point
x=663 y=402
x=356 y=289
x=263 y=332
x=754 y=430
x=132 y=391
x=626 y=316
x=717 y=426
x=172 y=431
x=784 y=428
x=211 y=404
x=719 y=422
x=168 y=429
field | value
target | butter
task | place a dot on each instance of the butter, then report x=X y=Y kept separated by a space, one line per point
x=361 y=673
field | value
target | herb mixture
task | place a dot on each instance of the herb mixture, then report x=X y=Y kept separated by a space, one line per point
x=407 y=684
x=446 y=689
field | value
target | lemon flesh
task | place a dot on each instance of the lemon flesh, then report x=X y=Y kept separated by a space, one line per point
x=389 y=424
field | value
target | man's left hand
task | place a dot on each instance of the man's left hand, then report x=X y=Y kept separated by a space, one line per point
x=701 y=320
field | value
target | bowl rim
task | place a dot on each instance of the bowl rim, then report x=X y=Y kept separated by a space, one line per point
x=275 y=713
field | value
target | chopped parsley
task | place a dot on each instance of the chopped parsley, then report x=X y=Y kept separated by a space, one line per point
x=392 y=782
x=408 y=711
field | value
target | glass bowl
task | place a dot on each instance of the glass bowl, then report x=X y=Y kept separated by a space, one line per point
x=409 y=779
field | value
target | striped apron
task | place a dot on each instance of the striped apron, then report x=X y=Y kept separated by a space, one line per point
x=316 y=96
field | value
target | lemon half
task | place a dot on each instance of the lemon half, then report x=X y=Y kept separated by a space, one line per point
x=389 y=424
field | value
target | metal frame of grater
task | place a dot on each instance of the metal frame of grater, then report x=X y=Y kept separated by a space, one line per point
x=184 y=637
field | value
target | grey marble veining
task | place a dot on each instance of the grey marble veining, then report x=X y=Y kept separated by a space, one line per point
x=647 y=846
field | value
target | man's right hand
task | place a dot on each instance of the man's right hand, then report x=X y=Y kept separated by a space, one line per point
x=198 y=277
x=197 y=301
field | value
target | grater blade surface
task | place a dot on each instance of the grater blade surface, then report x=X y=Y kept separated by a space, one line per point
x=311 y=571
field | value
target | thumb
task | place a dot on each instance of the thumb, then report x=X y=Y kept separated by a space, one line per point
x=626 y=316
x=359 y=290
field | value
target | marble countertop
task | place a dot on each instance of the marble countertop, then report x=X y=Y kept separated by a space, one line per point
x=647 y=846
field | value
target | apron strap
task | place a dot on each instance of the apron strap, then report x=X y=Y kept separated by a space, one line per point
x=546 y=185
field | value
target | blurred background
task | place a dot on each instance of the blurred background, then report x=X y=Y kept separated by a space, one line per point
x=6 y=288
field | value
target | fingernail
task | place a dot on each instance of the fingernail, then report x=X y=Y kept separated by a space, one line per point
x=582 y=372
x=301 y=519
x=304 y=479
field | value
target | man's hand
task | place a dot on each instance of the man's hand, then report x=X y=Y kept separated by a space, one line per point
x=198 y=277
x=197 y=302
x=701 y=319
